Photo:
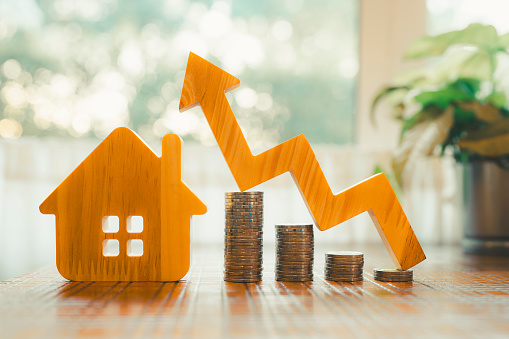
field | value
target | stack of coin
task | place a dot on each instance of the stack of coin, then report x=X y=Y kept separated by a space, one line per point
x=294 y=252
x=393 y=275
x=344 y=266
x=243 y=250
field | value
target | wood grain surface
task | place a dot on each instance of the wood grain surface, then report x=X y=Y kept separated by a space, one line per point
x=123 y=177
x=452 y=296
x=206 y=84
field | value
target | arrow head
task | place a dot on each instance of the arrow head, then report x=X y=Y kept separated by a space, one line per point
x=203 y=78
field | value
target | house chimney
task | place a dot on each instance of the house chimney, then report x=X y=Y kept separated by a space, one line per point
x=170 y=161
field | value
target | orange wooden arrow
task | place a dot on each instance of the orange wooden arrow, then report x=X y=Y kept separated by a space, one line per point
x=206 y=85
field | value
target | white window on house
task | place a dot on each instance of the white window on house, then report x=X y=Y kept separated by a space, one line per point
x=111 y=224
x=135 y=224
x=111 y=248
x=135 y=248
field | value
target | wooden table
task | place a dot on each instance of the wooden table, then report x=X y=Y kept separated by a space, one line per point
x=452 y=295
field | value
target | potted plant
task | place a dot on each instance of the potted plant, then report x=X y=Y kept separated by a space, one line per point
x=458 y=101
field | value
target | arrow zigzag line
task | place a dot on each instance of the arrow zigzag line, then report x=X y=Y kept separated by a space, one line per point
x=206 y=84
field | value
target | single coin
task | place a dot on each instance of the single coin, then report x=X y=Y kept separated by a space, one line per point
x=391 y=271
x=242 y=278
x=294 y=249
x=235 y=238
x=343 y=269
x=257 y=258
x=236 y=209
x=294 y=240
x=344 y=254
x=241 y=231
x=345 y=262
x=243 y=275
x=339 y=266
x=295 y=269
x=344 y=275
x=284 y=277
x=344 y=272
x=251 y=195
x=244 y=225
x=306 y=263
x=300 y=242
x=234 y=260
x=294 y=262
x=257 y=202
x=243 y=260
x=345 y=279
x=236 y=212
x=295 y=243
x=294 y=275
x=294 y=252
x=294 y=272
x=293 y=232
x=295 y=256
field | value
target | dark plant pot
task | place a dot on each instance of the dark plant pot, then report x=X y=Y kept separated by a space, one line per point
x=484 y=193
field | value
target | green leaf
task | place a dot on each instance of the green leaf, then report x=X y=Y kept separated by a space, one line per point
x=504 y=41
x=478 y=66
x=441 y=98
x=421 y=140
x=430 y=112
x=485 y=112
x=482 y=36
x=496 y=128
x=489 y=147
x=498 y=99
x=468 y=86
x=384 y=92
x=430 y=46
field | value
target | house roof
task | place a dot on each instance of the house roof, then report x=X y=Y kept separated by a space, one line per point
x=117 y=149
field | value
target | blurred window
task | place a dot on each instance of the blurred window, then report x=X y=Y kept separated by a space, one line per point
x=81 y=68
x=448 y=15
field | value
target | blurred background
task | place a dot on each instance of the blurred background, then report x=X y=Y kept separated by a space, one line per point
x=71 y=71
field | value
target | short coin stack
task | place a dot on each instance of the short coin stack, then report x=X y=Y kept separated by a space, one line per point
x=393 y=275
x=294 y=252
x=243 y=250
x=344 y=266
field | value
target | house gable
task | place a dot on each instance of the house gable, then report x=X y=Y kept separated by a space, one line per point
x=121 y=148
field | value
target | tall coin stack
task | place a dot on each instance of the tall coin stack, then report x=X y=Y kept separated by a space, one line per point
x=344 y=266
x=294 y=252
x=243 y=250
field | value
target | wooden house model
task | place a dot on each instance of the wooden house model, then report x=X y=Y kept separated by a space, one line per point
x=124 y=214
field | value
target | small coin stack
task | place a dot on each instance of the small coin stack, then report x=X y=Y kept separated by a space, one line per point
x=294 y=252
x=243 y=250
x=393 y=275
x=344 y=266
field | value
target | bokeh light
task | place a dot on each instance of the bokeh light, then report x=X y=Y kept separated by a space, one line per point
x=82 y=68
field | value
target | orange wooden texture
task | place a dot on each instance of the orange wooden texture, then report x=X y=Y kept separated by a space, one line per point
x=453 y=295
x=123 y=177
x=206 y=85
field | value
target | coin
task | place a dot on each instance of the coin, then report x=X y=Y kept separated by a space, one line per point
x=243 y=193
x=344 y=265
x=392 y=275
x=294 y=252
x=344 y=279
x=344 y=254
x=243 y=240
